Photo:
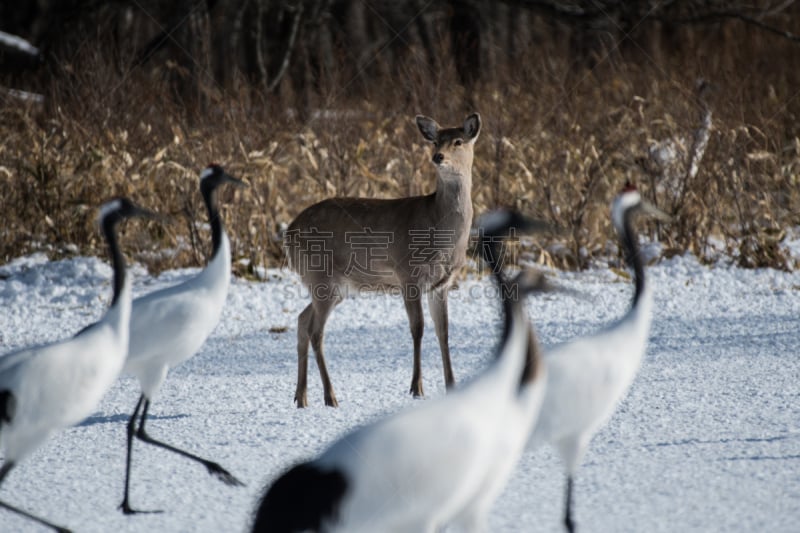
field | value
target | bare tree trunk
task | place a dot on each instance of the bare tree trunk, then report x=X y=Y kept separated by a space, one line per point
x=465 y=34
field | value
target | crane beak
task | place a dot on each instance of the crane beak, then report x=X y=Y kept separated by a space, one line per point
x=227 y=178
x=649 y=209
x=141 y=212
x=533 y=281
x=501 y=222
x=533 y=225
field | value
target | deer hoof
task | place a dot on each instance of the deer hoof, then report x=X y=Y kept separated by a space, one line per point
x=300 y=400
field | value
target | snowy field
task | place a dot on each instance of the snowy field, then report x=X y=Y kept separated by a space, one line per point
x=707 y=440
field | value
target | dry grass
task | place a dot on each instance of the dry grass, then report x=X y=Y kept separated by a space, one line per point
x=556 y=142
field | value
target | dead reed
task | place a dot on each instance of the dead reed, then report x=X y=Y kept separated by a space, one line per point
x=558 y=141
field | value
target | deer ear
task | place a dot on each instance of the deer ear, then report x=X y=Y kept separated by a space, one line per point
x=472 y=127
x=428 y=127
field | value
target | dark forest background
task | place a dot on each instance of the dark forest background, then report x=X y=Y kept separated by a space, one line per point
x=695 y=100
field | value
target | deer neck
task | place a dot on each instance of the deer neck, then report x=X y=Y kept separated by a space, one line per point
x=454 y=194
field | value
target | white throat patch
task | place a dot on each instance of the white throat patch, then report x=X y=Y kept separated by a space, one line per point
x=108 y=208
x=622 y=203
x=206 y=173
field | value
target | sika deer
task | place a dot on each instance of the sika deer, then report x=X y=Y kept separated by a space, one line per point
x=412 y=245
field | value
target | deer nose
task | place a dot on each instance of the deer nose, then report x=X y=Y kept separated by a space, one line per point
x=438 y=157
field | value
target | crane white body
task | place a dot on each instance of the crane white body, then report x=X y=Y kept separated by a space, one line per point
x=420 y=469
x=58 y=385
x=47 y=388
x=589 y=376
x=169 y=326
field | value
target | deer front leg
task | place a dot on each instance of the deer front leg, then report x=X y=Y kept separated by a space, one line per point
x=417 y=325
x=437 y=304
x=304 y=321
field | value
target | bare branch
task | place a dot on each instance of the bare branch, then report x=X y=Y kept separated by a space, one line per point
x=18 y=44
x=717 y=16
x=774 y=10
x=22 y=96
x=289 y=47
x=561 y=10
x=262 y=69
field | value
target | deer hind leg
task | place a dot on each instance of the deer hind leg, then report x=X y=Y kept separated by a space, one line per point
x=437 y=305
x=304 y=321
x=322 y=308
x=417 y=325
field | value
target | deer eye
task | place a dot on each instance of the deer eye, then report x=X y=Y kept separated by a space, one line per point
x=458 y=142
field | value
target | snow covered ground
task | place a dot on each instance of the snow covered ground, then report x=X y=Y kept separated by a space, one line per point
x=707 y=440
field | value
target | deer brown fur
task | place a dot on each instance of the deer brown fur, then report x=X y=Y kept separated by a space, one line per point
x=412 y=246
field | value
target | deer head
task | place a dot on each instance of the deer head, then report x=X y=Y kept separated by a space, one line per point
x=452 y=146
